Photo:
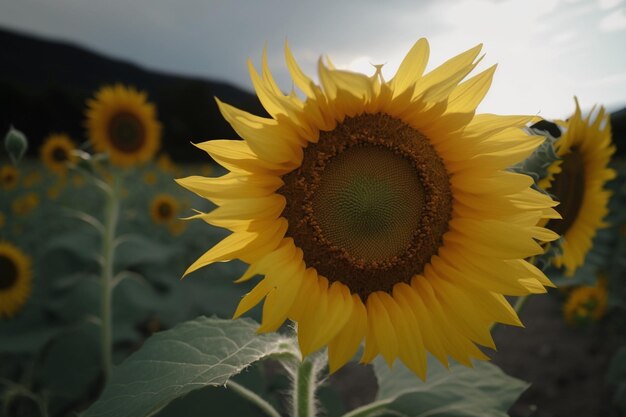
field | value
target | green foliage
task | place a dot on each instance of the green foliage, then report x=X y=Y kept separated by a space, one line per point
x=617 y=378
x=484 y=391
x=196 y=354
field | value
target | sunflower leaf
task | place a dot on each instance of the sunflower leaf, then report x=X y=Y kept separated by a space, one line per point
x=616 y=376
x=195 y=354
x=135 y=250
x=483 y=391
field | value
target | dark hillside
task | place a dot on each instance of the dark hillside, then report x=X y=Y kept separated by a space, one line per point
x=44 y=85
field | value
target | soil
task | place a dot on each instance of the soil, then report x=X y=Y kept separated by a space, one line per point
x=565 y=365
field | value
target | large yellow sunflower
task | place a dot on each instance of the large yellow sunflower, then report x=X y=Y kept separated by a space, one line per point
x=57 y=153
x=123 y=123
x=9 y=175
x=379 y=210
x=15 y=279
x=577 y=180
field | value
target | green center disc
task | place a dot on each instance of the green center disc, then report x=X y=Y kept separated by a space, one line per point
x=369 y=202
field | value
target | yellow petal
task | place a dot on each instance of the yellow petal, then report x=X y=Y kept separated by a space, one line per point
x=346 y=343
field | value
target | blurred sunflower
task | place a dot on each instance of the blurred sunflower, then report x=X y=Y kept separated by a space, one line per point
x=53 y=192
x=150 y=178
x=577 y=180
x=379 y=210
x=15 y=279
x=33 y=178
x=206 y=169
x=165 y=164
x=177 y=227
x=24 y=204
x=9 y=175
x=56 y=153
x=78 y=181
x=585 y=304
x=123 y=123
x=163 y=208
x=3 y=219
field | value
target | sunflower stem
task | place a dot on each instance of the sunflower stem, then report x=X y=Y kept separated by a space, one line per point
x=111 y=215
x=253 y=398
x=519 y=303
x=304 y=389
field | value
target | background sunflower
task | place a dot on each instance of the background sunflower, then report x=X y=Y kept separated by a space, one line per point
x=9 y=176
x=578 y=180
x=585 y=304
x=123 y=123
x=56 y=153
x=15 y=279
x=164 y=209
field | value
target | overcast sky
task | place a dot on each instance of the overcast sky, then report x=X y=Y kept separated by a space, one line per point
x=547 y=51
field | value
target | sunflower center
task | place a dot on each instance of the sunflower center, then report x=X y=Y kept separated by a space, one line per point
x=126 y=132
x=59 y=154
x=569 y=188
x=8 y=272
x=164 y=210
x=8 y=177
x=369 y=204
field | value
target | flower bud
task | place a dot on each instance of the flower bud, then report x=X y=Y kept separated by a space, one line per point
x=16 y=144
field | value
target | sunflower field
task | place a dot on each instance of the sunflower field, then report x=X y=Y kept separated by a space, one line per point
x=381 y=235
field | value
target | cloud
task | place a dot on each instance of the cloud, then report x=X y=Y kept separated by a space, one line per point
x=542 y=46
x=615 y=21
x=608 y=4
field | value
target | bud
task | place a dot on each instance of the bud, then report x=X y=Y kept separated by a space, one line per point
x=15 y=143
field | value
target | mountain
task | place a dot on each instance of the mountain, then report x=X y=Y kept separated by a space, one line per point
x=44 y=85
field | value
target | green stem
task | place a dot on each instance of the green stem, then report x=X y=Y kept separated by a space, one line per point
x=368 y=409
x=304 y=390
x=111 y=216
x=253 y=398
x=519 y=303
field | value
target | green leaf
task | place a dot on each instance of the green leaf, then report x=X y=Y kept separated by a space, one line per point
x=222 y=401
x=616 y=376
x=482 y=391
x=198 y=353
x=134 y=250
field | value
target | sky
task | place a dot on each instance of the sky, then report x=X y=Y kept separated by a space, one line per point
x=547 y=51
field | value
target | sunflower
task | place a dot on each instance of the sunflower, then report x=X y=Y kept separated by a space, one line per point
x=56 y=153
x=163 y=209
x=123 y=123
x=166 y=164
x=150 y=178
x=33 y=178
x=25 y=204
x=585 y=304
x=577 y=180
x=15 y=279
x=379 y=210
x=9 y=176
